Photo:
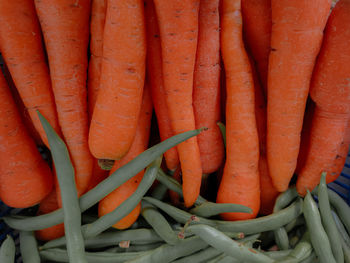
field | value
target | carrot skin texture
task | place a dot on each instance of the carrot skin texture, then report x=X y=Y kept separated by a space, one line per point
x=65 y=26
x=22 y=49
x=178 y=26
x=114 y=120
x=155 y=76
x=97 y=24
x=25 y=178
x=330 y=90
x=257 y=34
x=296 y=37
x=240 y=181
x=140 y=144
x=206 y=87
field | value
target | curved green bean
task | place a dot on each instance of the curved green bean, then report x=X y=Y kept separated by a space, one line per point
x=29 y=247
x=127 y=206
x=346 y=250
x=60 y=255
x=328 y=221
x=302 y=251
x=343 y=233
x=167 y=253
x=318 y=236
x=69 y=195
x=342 y=208
x=201 y=256
x=223 y=243
x=209 y=209
x=7 y=250
x=279 y=254
x=311 y=259
x=104 y=188
x=251 y=226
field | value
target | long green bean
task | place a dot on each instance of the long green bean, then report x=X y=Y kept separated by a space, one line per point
x=29 y=247
x=209 y=209
x=201 y=256
x=342 y=208
x=7 y=250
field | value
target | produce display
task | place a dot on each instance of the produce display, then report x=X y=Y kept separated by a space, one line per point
x=174 y=131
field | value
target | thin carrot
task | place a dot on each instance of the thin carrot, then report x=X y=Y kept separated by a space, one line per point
x=240 y=181
x=140 y=144
x=65 y=25
x=206 y=87
x=97 y=24
x=155 y=76
x=114 y=121
x=257 y=34
x=330 y=90
x=296 y=37
x=178 y=26
x=25 y=178
x=22 y=49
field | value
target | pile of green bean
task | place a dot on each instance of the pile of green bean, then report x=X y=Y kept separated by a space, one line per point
x=298 y=230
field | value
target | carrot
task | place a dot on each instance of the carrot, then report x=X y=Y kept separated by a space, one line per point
x=178 y=26
x=114 y=121
x=48 y=205
x=97 y=24
x=240 y=181
x=330 y=90
x=296 y=36
x=98 y=175
x=22 y=49
x=257 y=34
x=139 y=145
x=66 y=32
x=25 y=178
x=155 y=76
x=206 y=87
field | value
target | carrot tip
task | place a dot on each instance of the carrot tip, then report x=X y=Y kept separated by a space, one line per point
x=105 y=164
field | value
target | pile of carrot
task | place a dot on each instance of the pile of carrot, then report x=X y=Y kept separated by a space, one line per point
x=275 y=73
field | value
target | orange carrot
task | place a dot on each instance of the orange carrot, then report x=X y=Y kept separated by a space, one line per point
x=49 y=204
x=178 y=26
x=155 y=76
x=22 y=49
x=25 y=178
x=65 y=25
x=206 y=87
x=330 y=90
x=140 y=144
x=257 y=33
x=114 y=121
x=97 y=24
x=240 y=181
x=296 y=37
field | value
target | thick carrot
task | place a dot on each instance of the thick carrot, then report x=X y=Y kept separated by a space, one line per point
x=97 y=176
x=140 y=144
x=65 y=25
x=48 y=205
x=240 y=181
x=25 y=178
x=206 y=87
x=155 y=76
x=22 y=49
x=257 y=33
x=330 y=90
x=97 y=24
x=114 y=120
x=296 y=37
x=178 y=26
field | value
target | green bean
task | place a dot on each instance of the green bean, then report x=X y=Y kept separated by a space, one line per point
x=251 y=226
x=299 y=221
x=328 y=221
x=302 y=250
x=136 y=236
x=175 y=186
x=60 y=255
x=318 y=236
x=136 y=248
x=277 y=255
x=159 y=224
x=311 y=259
x=201 y=256
x=293 y=241
x=341 y=228
x=69 y=194
x=341 y=207
x=209 y=209
x=159 y=192
x=218 y=258
x=29 y=247
x=223 y=243
x=104 y=188
x=222 y=128
x=168 y=253
x=282 y=201
x=228 y=259
x=346 y=250
x=249 y=240
x=7 y=250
